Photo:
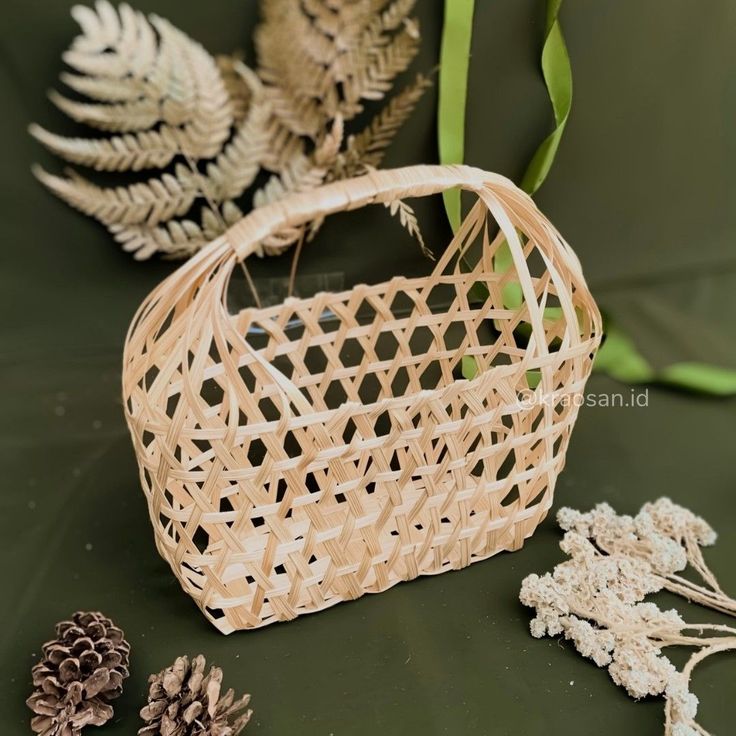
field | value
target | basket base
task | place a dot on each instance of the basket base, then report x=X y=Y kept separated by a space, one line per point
x=502 y=535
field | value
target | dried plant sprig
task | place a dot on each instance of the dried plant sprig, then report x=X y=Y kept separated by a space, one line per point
x=174 y=108
x=213 y=123
x=596 y=600
x=666 y=536
x=320 y=61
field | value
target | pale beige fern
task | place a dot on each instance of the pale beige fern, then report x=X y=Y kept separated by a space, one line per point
x=367 y=148
x=300 y=174
x=171 y=101
x=321 y=60
x=149 y=202
x=176 y=238
x=199 y=129
x=408 y=220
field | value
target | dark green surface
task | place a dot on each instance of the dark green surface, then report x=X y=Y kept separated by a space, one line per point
x=644 y=189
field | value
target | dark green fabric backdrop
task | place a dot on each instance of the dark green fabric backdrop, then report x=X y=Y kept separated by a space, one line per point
x=643 y=188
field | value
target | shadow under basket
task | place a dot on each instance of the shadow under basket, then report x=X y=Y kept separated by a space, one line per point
x=305 y=454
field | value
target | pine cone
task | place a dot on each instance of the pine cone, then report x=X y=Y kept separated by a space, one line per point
x=182 y=701
x=81 y=671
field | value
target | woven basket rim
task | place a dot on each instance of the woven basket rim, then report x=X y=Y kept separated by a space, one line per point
x=491 y=375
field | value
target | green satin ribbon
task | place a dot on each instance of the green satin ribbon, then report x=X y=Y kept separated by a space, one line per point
x=453 y=91
x=557 y=74
x=618 y=356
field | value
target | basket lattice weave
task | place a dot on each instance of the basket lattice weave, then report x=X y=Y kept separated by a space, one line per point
x=305 y=454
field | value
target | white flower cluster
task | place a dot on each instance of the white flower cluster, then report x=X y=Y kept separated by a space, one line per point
x=596 y=598
x=679 y=523
x=658 y=534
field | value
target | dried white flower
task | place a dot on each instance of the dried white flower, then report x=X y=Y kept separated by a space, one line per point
x=596 y=599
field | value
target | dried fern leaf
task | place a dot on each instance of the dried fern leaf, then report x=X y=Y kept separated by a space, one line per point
x=113 y=44
x=214 y=223
x=166 y=100
x=235 y=169
x=134 y=152
x=296 y=81
x=104 y=89
x=408 y=219
x=176 y=238
x=367 y=148
x=321 y=59
x=211 y=120
x=239 y=162
x=378 y=32
x=301 y=116
x=372 y=80
x=237 y=88
x=396 y=13
x=284 y=146
x=179 y=86
x=301 y=174
x=126 y=116
x=323 y=18
x=148 y=202
x=171 y=93
x=343 y=20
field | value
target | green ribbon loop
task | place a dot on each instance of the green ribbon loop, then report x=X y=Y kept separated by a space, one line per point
x=618 y=356
x=453 y=91
x=557 y=74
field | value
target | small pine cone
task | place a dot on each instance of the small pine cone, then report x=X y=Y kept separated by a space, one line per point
x=81 y=671
x=183 y=701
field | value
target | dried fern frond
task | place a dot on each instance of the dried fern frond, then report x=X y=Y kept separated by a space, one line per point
x=201 y=128
x=178 y=106
x=322 y=59
x=367 y=148
x=176 y=238
x=171 y=80
x=301 y=174
x=408 y=219
x=147 y=150
x=238 y=89
x=150 y=202
x=362 y=152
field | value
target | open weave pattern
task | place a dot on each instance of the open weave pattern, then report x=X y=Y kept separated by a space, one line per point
x=300 y=455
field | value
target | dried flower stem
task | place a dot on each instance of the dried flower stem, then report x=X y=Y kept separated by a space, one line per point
x=295 y=262
x=696 y=594
x=717 y=647
x=595 y=599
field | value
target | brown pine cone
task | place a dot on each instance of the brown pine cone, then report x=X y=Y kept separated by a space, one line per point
x=183 y=701
x=81 y=671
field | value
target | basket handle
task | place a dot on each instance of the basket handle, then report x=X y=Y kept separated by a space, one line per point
x=193 y=300
x=374 y=187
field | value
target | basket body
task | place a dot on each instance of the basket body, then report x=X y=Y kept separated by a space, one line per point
x=301 y=455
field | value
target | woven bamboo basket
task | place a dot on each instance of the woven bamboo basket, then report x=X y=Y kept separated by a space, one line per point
x=305 y=454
